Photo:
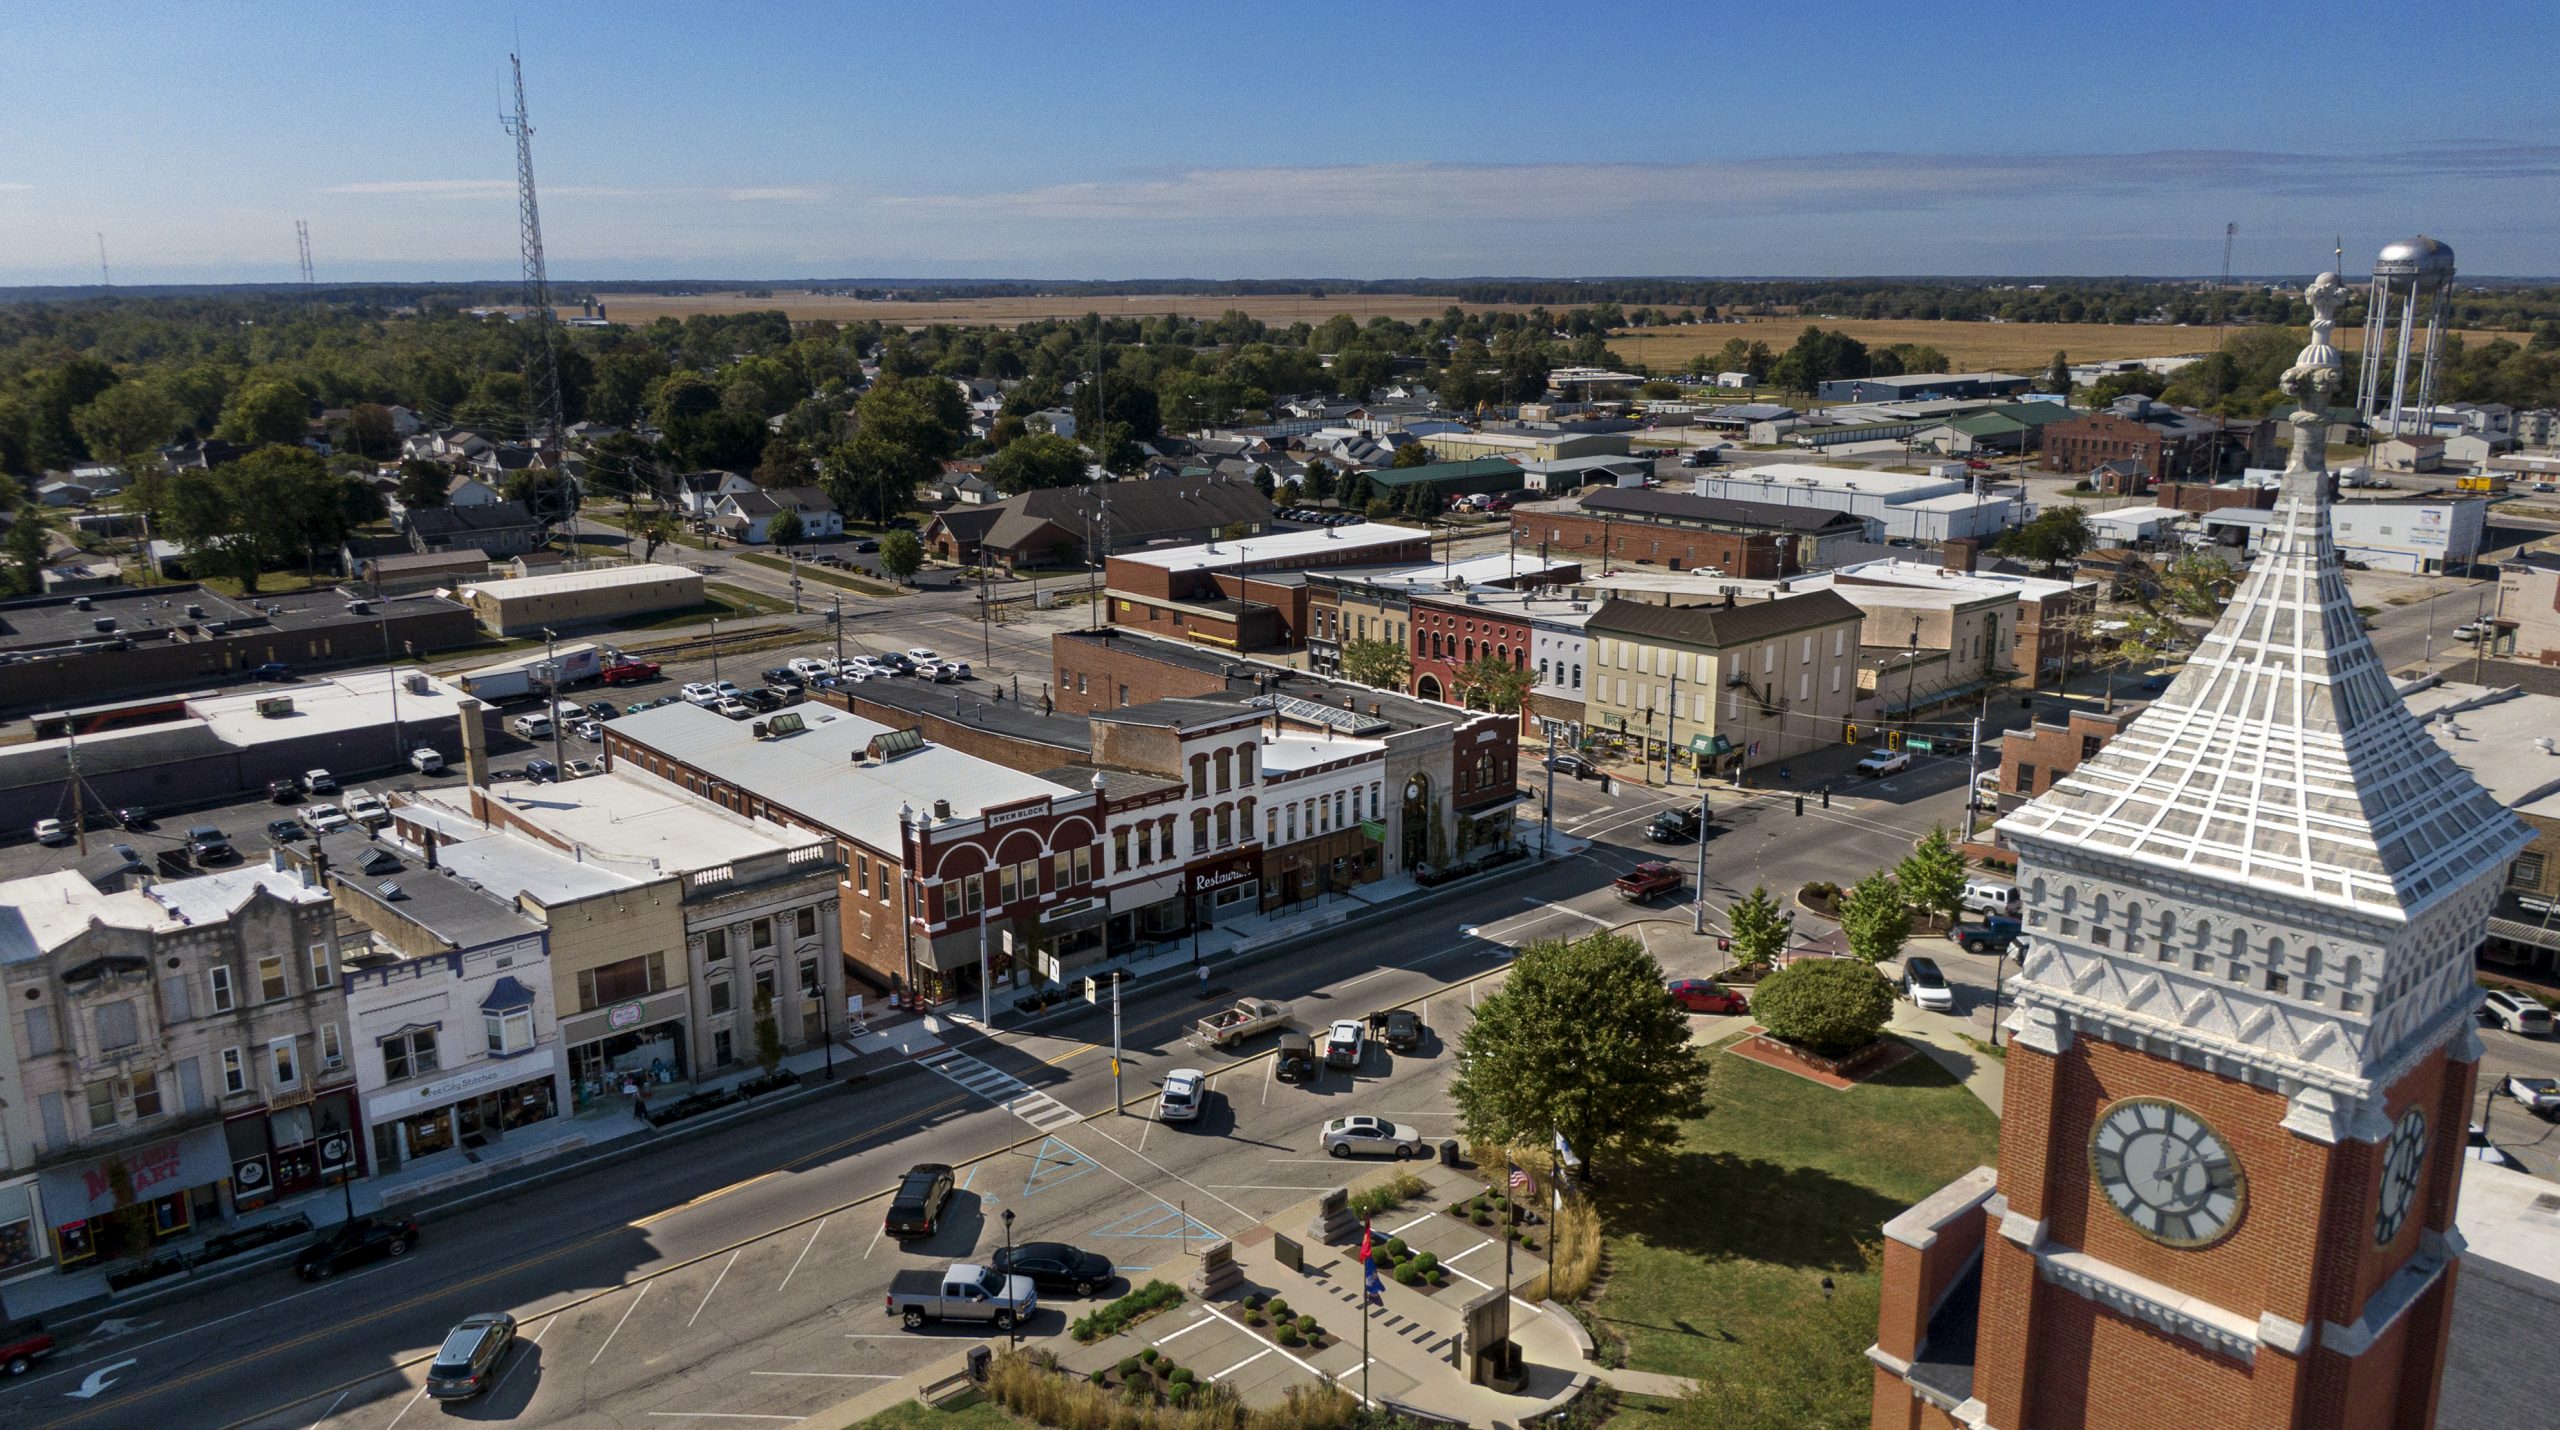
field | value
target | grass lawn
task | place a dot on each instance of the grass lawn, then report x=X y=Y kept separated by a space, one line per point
x=914 y=1415
x=725 y=603
x=825 y=575
x=1719 y=1244
x=270 y=583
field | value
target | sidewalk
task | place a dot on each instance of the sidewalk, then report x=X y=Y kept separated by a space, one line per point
x=1936 y=1035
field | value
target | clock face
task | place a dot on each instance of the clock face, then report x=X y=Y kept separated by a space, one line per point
x=2167 y=1172
x=2401 y=1168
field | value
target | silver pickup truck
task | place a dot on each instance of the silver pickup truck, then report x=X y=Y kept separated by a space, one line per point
x=962 y=1292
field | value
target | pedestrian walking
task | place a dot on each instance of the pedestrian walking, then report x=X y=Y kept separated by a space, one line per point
x=1204 y=980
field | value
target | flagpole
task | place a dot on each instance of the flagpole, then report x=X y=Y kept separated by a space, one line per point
x=1368 y=1276
x=1510 y=1203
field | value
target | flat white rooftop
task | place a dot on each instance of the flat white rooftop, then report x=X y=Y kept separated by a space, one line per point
x=635 y=822
x=1475 y=571
x=356 y=700
x=561 y=582
x=1221 y=555
x=1779 y=477
x=1291 y=753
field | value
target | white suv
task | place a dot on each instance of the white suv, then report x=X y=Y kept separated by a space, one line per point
x=2516 y=1013
x=1184 y=1090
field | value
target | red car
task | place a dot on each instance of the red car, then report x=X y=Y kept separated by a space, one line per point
x=1705 y=995
x=22 y=1345
x=630 y=672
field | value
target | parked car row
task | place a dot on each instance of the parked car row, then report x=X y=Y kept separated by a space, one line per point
x=1320 y=516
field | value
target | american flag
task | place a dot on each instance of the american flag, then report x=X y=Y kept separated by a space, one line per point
x=1519 y=1178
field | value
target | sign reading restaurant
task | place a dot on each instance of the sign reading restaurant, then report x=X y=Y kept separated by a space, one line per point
x=1206 y=878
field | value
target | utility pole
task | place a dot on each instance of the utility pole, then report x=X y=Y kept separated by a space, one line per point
x=1119 y=1104
x=795 y=579
x=1670 y=718
x=551 y=681
x=836 y=616
x=715 y=647
x=1972 y=773
x=1547 y=819
x=986 y=1018
x=1704 y=816
x=2222 y=295
x=543 y=422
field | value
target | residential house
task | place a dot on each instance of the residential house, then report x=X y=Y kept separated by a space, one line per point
x=748 y=516
x=504 y=528
x=699 y=494
x=1051 y=527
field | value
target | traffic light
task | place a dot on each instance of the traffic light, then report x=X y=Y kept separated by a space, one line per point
x=1852 y=737
x=1893 y=739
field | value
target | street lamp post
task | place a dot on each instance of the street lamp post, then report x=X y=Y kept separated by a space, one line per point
x=551 y=679
x=333 y=1125
x=1700 y=926
x=1013 y=1327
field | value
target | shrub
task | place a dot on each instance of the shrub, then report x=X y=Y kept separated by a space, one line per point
x=1828 y=1006
x=1307 y=1325
x=1097 y=1376
x=1396 y=1250
x=1253 y=1302
x=1394 y=1192
x=1179 y=1392
x=1279 y=1307
x=1181 y=1375
x=1425 y=1262
x=1128 y=1366
x=1149 y=1355
x=1254 y=1318
x=1119 y=1315
x=1439 y=1275
x=1408 y=1274
x=1482 y=1218
x=1289 y=1336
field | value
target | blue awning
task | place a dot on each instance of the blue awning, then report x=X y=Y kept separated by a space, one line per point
x=506 y=995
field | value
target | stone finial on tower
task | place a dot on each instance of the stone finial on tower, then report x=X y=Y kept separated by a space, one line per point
x=2314 y=373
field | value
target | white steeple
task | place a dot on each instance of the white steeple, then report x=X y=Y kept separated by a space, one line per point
x=2311 y=871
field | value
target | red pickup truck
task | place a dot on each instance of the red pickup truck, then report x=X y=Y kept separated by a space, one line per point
x=22 y=1345
x=630 y=672
x=1647 y=881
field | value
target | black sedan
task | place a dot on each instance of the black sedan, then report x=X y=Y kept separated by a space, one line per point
x=353 y=1244
x=1574 y=765
x=1056 y=1266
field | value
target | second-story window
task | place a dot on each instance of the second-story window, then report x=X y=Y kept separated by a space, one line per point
x=404 y=1055
x=1226 y=771
x=271 y=978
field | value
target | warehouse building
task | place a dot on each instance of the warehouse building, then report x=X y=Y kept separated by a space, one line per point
x=1925 y=510
x=1912 y=386
x=568 y=598
x=1526 y=444
x=1682 y=532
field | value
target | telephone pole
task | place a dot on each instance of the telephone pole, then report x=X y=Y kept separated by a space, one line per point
x=543 y=385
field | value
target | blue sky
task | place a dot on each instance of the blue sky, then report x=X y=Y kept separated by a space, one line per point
x=1218 y=140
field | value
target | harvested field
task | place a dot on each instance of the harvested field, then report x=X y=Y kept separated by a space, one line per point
x=2023 y=348
x=1278 y=310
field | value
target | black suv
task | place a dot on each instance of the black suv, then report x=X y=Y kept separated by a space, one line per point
x=916 y=1209
x=1673 y=826
x=208 y=845
x=353 y=1244
x=1398 y=1028
x=1296 y=1061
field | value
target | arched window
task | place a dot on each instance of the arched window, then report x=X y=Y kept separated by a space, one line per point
x=2314 y=959
x=1246 y=760
x=1199 y=831
x=2070 y=899
x=1244 y=818
x=1226 y=825
x=1199 y=775
x=1226 y=771
x=2035 y=889
x=2168 y=926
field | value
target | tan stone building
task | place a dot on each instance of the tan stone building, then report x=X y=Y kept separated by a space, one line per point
x=568 y=598
x=1745 y=684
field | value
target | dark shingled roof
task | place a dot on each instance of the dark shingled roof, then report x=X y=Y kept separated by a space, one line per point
x=1719 y=627
x=1718 y=511
x=450 y=520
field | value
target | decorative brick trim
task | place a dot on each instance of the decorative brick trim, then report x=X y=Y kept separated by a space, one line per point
x=2393 y=1298
x=2290 y=1337
x=2150 y=1302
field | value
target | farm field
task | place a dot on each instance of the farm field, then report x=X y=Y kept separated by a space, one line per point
x=1276 y=309
x=2023 y=348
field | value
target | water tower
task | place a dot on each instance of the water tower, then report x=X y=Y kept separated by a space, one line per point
x=2411 y=273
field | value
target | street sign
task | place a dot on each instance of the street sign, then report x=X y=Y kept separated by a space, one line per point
x=1918 y=743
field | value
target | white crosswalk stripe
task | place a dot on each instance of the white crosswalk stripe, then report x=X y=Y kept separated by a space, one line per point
x=1004 y=1090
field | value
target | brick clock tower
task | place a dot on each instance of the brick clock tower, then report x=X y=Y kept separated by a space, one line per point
x=2241 y=1068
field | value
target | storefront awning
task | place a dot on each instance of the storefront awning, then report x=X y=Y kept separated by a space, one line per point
x=195 y=1158
x=506 y=995
x=1933 y=697
x=1711 y=745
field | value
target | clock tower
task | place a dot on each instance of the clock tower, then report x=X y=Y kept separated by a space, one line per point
x=2241 y=1067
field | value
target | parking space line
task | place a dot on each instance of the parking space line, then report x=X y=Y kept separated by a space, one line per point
x=413 y=1402
x=1195 y=1325
x=332 y=1410
x=717 y=1415
x=830 y=1374
x=803 y=1256
x=1470 y=1251
x=715 y=1287
x=1248 y=1360
x=875 y=1240
x=1417 y=1221
x=618 y=1325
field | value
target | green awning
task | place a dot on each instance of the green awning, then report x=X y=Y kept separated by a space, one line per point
x=1710 y=745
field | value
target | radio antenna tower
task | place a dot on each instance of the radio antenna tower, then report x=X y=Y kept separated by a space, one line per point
x=543 y=420
x=103 y=280
x=302 y=238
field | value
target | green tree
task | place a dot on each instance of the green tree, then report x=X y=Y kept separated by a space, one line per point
x=2052 y=538
x=1319 y=480
x=2057 y=378
x=127 y=420
x=1581 y=1042
x=26 y=547
x=1489 y=682
x=768 y=1034
x=275 y=505
x=370 y=432
x=901 y=555
x=1876 y=914
x=1758 y=928
x=1034 y=461
x=422 y=484
x=1659 y=389
x=1410 y=455
x=784 y=529
x=1829 y=1006
x=265 y=413
x=655 y=529
x=1376 y=663
x=1932 y=875
x=2198 y=584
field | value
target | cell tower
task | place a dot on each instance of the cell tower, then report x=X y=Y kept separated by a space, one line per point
x=2408 y=273
x=104 y=281
x=302 y=239
x=2230 y=233
x=543 y=418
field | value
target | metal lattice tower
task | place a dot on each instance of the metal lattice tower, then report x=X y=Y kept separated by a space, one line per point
x=542 y=422
x=302 y=238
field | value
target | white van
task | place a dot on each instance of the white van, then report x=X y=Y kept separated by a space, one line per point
x=1991 y=896
x=536 y=726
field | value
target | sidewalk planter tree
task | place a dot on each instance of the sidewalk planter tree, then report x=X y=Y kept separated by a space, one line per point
x=1758 y=930
x=1827 y=1006
x=1876 y=914
x=1932 y=875
x=1581 y=1042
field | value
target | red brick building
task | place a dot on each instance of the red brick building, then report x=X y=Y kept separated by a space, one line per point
x=2165 y=442
x=1679 y=532
x=1244 y=595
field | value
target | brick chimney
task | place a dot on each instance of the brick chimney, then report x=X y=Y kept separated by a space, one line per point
x=1959 y=554
x=475 y=742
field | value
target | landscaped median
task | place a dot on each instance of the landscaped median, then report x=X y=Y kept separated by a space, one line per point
x=828 y=575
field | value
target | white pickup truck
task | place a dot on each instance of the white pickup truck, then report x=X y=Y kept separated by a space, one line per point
x=962 y=1292
x=1232 y=1025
